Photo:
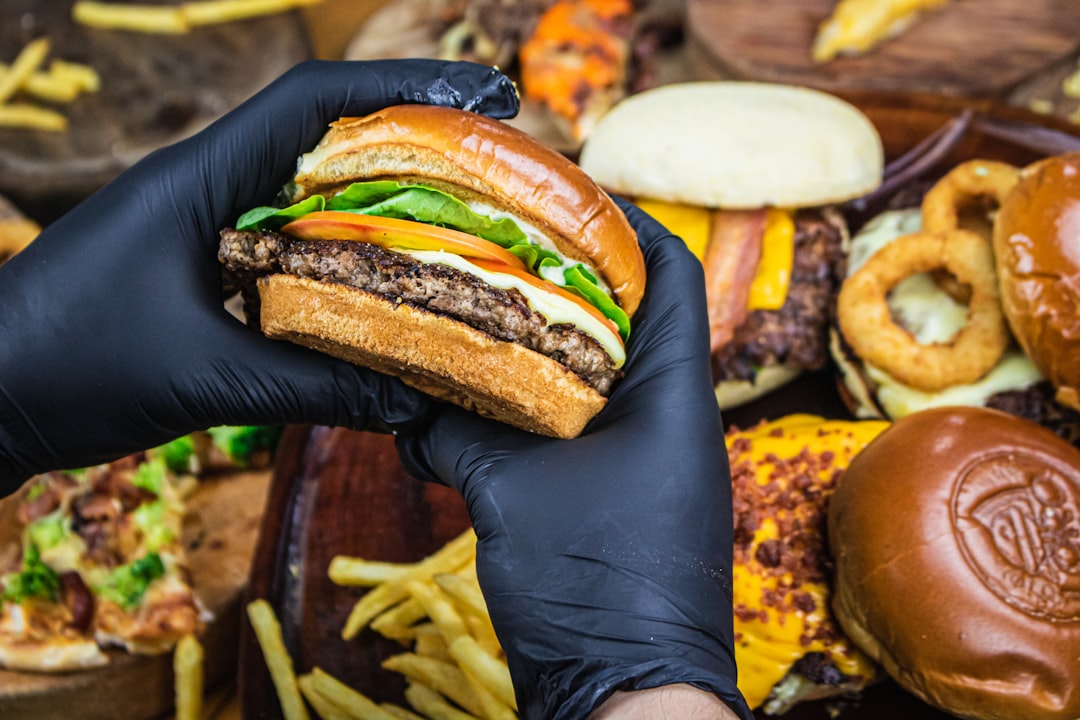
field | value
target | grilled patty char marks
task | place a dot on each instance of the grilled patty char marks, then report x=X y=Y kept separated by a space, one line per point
x=798 y=333
x=503 y=314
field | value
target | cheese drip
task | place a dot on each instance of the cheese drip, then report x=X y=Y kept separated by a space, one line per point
x=772 y=629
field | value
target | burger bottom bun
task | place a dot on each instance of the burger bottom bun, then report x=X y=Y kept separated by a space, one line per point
x=732 y=393
x=955 y=541
x=435 y=354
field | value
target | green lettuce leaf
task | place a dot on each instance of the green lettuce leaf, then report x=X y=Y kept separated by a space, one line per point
x=581 y=281
x=272 y=218
x=424 y=204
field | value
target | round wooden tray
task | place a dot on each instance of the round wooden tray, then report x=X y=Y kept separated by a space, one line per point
x=337 y=491
x=155 y=90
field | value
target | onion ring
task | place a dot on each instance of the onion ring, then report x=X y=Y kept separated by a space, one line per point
x=965 y=183
x=868 y=326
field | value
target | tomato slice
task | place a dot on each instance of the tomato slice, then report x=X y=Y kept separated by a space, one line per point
x=541 y=284
x=392 y=233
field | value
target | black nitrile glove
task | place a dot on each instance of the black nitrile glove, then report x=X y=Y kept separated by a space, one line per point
x=113 y=337
x=606 y=560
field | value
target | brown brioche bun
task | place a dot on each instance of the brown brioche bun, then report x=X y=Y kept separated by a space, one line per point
x=446 y=359
x=955 y=540
x=476 y=158
x=1037 y=248
x=500 y=171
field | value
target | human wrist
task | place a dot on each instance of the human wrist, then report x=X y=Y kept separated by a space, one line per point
x=670 y=701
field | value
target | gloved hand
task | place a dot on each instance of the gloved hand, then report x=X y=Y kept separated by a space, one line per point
x=606 y=560
x=113 y=336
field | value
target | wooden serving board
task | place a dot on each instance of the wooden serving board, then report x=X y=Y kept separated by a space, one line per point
x=155 y=90
x=971 y=48
x=220 y=532
x=336 y=492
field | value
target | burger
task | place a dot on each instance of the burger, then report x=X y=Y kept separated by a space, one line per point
x=1032 y=270
x=748 y=175
x=1037 y=246
x=956 y=542
x=788 y=646
x=452 y=251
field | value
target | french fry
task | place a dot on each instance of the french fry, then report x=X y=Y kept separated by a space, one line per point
x=396 y=623
x=27 y=62
x=431 y=704
x=465 y=592
x=491 y=708
x=167 y=19
x=400 y=713
x=322 y=706
x=442 y=677
x=357 y=571
x=484 y=633
x=432 y=644
x=439 y=609
x=449 y=558
x=211 y=12
x=268 y=632
x=23 y=115
x=188 y=678
x=81 y=76
x=354 y=704
x=175 y=19
x=491 y=672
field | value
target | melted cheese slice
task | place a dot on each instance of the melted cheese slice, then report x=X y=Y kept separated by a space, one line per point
x=857 y=26
x=555 y=309
x=769 y=288
x=931 y=316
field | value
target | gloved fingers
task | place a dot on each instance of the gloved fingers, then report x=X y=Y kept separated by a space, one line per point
x=459 y=447
x=245 y=378
x=245 y=158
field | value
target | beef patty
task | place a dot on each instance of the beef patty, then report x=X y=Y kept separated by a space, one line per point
x=441 y=289
x=798 y=333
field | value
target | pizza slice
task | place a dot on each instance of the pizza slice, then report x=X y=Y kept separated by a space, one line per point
x=102 y=565
x=857 y=26
x=98 y=560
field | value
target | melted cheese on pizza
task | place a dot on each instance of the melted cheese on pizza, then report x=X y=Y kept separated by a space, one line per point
x=857 y=26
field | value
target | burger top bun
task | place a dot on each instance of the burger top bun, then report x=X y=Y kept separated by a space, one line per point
x=956 y=540
x=1037 y=246
x=482 y=160
x=735 y=145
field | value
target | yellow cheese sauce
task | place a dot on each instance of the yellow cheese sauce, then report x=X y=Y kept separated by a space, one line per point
x=782 y=472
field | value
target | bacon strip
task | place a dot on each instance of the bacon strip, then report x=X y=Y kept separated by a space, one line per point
x=731 y=262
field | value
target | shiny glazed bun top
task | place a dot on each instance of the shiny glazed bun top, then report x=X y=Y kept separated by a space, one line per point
x=483 y=160
x=1037 y=248
x=956 y=541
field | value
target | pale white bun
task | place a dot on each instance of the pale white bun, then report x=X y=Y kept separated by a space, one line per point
x=438 y=355
x=735 y=145
x=733 y=393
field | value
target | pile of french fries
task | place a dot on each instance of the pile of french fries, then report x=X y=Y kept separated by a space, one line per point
x=60 y=83
x=454 y=667
x=175 y=19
